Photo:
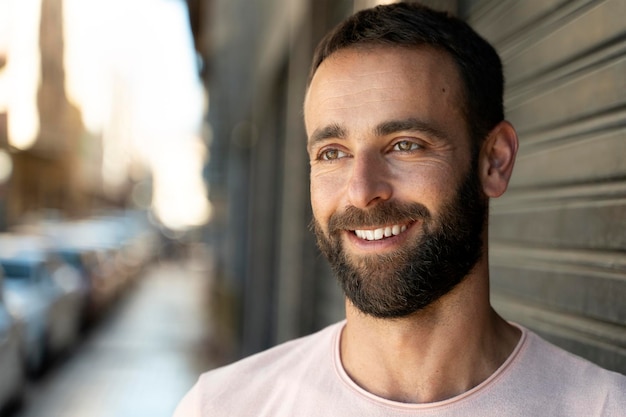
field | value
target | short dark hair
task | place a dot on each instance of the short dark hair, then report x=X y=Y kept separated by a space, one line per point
x=411 y=25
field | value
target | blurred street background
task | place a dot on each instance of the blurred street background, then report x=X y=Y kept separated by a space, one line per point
x=142 y=359
x=154 y=195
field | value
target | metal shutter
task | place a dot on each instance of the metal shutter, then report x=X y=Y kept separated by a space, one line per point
x=558 y=236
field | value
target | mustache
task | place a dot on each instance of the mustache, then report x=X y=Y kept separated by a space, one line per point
x=385 y=213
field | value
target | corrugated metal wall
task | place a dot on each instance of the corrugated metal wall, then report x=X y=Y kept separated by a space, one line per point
x=558 y=237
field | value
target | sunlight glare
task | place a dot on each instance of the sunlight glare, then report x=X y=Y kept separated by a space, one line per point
x=23 y=73
x=132 y=70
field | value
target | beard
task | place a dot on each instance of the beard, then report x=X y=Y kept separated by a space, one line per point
x=398 y=284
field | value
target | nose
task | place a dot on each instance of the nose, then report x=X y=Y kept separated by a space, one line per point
x=369 y=181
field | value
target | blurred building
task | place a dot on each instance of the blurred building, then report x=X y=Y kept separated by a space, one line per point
x=48 y=174
x=558 y=236
x=94 y=96
x=55 y=164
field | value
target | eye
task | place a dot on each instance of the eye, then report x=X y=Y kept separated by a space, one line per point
x=331 y=154
x=406 y=146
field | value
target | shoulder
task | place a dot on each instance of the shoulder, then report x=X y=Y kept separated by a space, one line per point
x=548 y=356
x=564 y=377
x=273 y=373
x=282 y=357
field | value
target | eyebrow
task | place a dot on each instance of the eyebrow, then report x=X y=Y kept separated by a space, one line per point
x=412 y=125
x=327 y=132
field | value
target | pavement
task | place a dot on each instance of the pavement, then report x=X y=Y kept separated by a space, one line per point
x=142 y=359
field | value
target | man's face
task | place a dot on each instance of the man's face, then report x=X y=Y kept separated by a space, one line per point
x=397 y=204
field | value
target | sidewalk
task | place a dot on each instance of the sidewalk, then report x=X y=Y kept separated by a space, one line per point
x=142 y=359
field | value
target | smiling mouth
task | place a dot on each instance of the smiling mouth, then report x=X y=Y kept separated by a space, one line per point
x=380 y=233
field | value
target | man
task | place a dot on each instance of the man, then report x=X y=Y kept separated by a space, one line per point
x=407 y=143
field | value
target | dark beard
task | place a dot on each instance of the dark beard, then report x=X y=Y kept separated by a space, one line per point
x=398 y=284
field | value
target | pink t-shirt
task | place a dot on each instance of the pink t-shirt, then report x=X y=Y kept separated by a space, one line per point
x=304 y=377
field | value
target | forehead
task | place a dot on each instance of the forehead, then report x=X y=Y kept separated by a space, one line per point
x=386 y=82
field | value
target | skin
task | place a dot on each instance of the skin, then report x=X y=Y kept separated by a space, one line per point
x=386 y=124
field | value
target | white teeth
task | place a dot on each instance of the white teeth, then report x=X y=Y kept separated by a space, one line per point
x=383 y=232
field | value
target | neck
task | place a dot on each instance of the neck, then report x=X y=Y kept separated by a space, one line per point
x=442 y=351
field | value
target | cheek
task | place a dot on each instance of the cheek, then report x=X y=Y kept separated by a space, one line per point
x=429 y=184
x=325 y=196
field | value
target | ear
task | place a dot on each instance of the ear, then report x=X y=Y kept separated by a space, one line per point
x=497 y=158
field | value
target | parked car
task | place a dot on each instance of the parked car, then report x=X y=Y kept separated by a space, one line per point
x=98 y=289
x=44 y=294
x=88 y=246
x=110 y=250
x=123 y=244
x=11 y=369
